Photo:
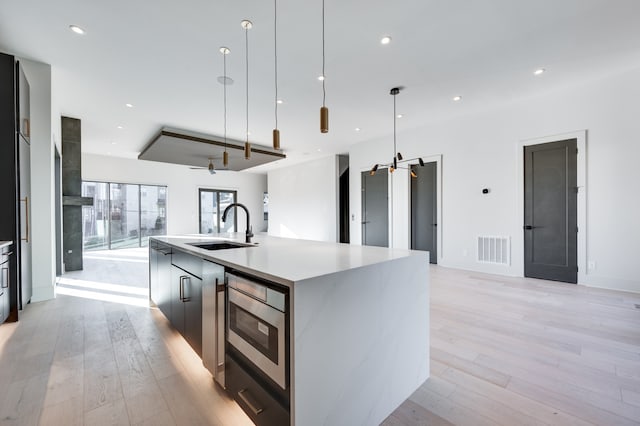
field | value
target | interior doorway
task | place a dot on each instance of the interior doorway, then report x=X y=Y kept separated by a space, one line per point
x=58 y=213
x=375 y=208
x=424 y=209
x=550 y=211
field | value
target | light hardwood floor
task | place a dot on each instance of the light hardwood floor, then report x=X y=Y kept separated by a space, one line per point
x=504 y=350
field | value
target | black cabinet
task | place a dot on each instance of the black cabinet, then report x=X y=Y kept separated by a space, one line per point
x=186 y=306
x=5 y=279
x=160 y=276
x=175 y=286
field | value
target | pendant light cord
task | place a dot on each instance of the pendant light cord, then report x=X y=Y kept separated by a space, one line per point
x=395 y=118
x=275 y=53
x=224 y=84
x=246 y=38
x=324 y=92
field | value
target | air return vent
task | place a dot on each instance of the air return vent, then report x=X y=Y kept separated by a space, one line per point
x=492 y=249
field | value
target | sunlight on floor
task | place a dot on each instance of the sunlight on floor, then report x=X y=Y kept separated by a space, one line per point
x=103 y=286
x=78 y=291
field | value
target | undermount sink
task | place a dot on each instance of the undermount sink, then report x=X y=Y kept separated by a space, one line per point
x=219 y=245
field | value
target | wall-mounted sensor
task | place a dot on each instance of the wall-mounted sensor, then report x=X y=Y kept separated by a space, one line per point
x=485 y=190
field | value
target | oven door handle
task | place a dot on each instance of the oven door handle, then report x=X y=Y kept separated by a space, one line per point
x=241 y=394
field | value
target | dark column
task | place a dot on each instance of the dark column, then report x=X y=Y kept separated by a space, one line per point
x=72 y=194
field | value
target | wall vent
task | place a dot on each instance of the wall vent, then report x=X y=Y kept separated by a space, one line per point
x=494 y=249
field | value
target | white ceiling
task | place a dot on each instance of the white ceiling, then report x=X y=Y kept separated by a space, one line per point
x=162 y=57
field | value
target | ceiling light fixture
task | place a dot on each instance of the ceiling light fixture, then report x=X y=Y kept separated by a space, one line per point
x=324 y=111
x=225 y=51
x=399 y=116
x=357 y=129
x=457 y=98
x=321 y=77
x=276 y=132
x=247 y=25
x=128 y=105
x=76 y=29
x=120 y=127
x=397 y=156
x=385 y=40
x=539 y=71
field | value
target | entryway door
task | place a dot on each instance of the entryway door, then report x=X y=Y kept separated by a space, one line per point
x=375 y=208
x=550 y=211
x=424 y=210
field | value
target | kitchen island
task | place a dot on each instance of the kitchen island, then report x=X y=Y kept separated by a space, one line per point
x=358 y=321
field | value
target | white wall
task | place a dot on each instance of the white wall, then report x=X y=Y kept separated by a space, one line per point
x=303 y=200
x=182 y=187
x=42 y=180
x=482 y=150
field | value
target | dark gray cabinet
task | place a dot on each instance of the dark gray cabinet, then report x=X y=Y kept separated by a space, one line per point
x=175 y=286
x=5 y=279
x=160 y=276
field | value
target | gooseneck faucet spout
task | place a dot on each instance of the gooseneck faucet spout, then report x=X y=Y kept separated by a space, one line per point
x=248 y=234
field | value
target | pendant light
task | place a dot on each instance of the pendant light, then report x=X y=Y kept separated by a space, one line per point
x=324 y=111
x=276 y=132
x=397 y=156
x=247 y=25
x=225 y=155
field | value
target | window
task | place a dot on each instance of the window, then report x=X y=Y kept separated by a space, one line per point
x=212 y=205
x=123 y=215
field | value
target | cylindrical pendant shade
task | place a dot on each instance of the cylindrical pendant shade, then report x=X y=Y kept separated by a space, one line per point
x=276 y=139
x=399 y=156
x=421 y=162
x=225 y=159
x=324 y=119
x=247 y=150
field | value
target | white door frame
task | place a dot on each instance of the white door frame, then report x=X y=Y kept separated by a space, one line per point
x=581 y=138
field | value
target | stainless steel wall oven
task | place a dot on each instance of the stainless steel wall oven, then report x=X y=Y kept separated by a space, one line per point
x=257 y=348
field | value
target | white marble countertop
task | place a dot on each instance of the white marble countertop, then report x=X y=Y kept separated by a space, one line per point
x=5 y=243
x=286 y=260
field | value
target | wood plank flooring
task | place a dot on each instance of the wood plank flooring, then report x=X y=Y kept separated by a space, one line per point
x=504 y=351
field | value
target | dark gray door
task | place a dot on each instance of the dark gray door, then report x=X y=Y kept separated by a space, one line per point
x=424 y=210
x=375 y=209
x=550 y=211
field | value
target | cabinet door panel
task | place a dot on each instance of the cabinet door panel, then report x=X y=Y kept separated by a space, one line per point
x=163 y=299
x=193 y=313
x=177 y=305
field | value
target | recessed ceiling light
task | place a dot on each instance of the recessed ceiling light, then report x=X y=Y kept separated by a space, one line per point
x=76 y=29
x=539 y=71
x=319 y=150
x=357 y=129
x=225 y=50
x=128 y=105
x=248 y=133
x=114 y=143
x=457 y=98
x=120 y=127
x=399 y=116
x=279 y=101
x=321 y=77
x=385 y=40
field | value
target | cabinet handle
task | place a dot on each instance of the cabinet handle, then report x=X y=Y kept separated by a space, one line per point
x=26 y=218
x=186 y=298
x=182 y=296
x=5 y=278
x=252 y=407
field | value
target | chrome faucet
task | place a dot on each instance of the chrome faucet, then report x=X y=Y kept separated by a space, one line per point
x=248 y=234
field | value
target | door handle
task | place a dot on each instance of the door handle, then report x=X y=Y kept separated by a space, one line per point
x=182 y=288
x=252 y=407
x=528 y=227
x=26 y=218
x=5 y=279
